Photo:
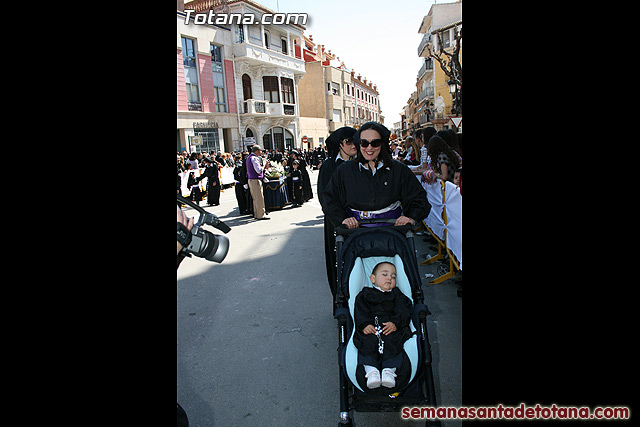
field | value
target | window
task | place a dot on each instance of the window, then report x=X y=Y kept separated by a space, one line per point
x=284 y=47
x=337 y=115
x=191 y=74
x=335 y=88
x=240 y=34
x=270 y=84
x=267 y=40
x=188 y=53
x=445 y=38
x=287 y=90
x=246 y=87
x=218 y=78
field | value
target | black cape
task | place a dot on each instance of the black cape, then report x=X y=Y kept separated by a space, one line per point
x=326 y=171
x=353 y=187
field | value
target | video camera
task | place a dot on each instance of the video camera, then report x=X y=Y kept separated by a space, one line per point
x=199 y=241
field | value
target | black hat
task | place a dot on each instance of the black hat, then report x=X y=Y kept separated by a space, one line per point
x=333 y=141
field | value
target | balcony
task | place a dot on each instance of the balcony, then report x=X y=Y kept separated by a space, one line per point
x=282 y=110
x=426 y=67
x=427 y=93
x=260 y=108
x=254 y=106
x=426 y=39
x=256 y=55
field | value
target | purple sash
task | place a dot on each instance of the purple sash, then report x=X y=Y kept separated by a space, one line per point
x=392 y=213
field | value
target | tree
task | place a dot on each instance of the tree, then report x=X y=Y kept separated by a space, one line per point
x=450 y=62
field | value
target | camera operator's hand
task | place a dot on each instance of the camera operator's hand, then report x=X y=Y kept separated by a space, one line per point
x=184 y=220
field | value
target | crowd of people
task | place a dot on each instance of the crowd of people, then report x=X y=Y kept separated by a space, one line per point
x=415 y=150
x=294 y=166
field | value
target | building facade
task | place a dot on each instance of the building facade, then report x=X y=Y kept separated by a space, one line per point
x=434 y=100
x=207 y=118
x=331 y=95
x=265 y=73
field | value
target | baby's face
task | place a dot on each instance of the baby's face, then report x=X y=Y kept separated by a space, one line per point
x=385 y=277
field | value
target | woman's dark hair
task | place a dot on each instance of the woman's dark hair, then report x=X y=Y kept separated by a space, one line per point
x=437 y=145
x=427 y=133
x=449 y=138
x=385 y=151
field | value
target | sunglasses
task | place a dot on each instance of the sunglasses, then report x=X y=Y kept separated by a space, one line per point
x=375 y=143
x=347 y=141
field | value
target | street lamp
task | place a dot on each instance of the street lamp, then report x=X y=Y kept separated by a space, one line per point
x=455 y=96
x=452 y=87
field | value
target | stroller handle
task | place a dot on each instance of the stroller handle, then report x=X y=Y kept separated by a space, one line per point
x=343 y=229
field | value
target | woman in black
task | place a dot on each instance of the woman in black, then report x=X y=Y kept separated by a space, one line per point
x=341 y=149
x=213 y=182
x=373 y=185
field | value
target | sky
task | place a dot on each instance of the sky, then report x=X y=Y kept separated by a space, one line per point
x=378 y=39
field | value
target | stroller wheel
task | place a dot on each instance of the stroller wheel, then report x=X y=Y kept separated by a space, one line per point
x=442 y=269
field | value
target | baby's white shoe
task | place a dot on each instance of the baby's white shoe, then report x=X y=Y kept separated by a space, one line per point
x=389 y=377
x=373 y=376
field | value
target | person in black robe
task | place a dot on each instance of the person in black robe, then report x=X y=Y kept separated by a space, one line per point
x=307 y=192
x=239 y=188
x=341 y=148
x=297 y=182
x=374 y=185
x=194 y=188
x=244 y=180
x=213 y=182
x=381 y=317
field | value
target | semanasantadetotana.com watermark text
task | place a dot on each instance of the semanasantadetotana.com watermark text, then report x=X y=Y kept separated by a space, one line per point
x=244 y=18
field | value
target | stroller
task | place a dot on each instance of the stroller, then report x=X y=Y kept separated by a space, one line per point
x=358 y=251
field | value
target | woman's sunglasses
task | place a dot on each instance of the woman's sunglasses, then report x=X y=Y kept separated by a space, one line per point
x=375 y=143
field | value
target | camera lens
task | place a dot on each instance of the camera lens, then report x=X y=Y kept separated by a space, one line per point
x=215 y=247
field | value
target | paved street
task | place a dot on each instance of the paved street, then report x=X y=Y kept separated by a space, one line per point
x=256 y=337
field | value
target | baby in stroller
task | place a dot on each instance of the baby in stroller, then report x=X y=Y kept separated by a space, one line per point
x=382 y=315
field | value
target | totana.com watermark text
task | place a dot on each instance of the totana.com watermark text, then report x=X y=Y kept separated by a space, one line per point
x=244 y=18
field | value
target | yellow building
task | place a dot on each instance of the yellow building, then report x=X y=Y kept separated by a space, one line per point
x=435 y=101
x=331 y=95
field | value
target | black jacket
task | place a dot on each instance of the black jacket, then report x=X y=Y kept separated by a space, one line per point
x=356 y=188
